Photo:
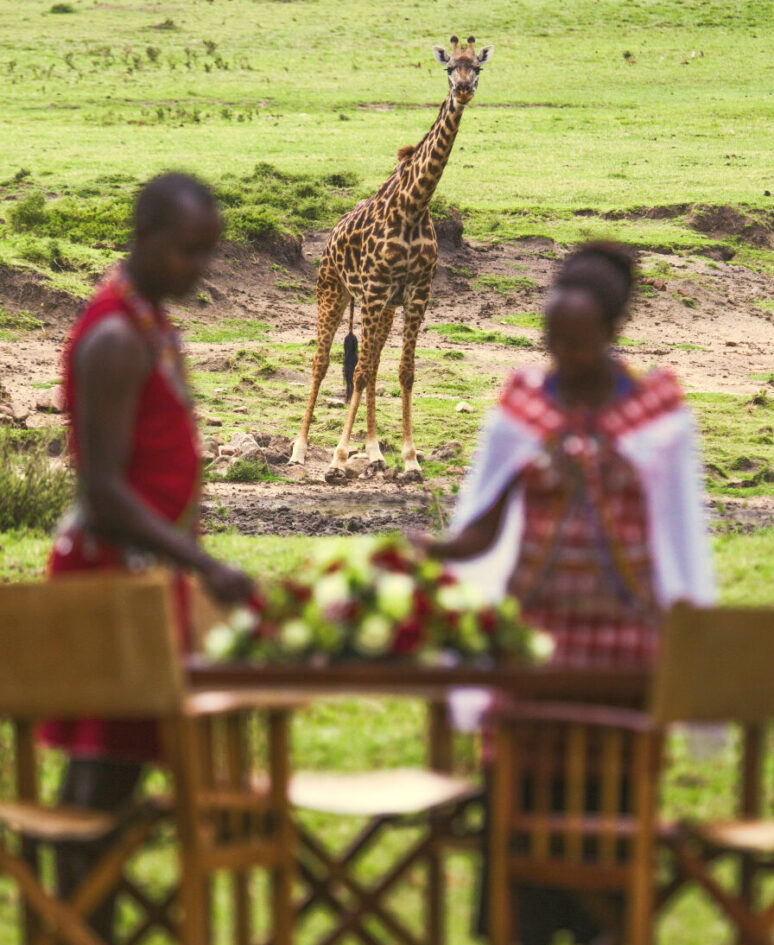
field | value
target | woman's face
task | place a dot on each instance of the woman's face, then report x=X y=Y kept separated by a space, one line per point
x=577 y=333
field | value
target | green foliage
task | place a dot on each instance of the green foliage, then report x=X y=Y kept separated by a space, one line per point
x=250 y=470
x=505 y=285
x=32 y=493
x=62 y=8
x=29 y=212
x=227 y=329
x=465 y=334
x=18 y=321
x=526 y=320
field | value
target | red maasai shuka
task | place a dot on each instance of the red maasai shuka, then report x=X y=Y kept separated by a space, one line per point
x=585 y=572
x=164 y=471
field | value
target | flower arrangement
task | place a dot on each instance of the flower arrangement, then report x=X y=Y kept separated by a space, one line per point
x=375 y=600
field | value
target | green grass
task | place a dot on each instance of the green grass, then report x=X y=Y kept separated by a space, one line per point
x=15 y=324
x=526 y=320
x=505 y=285
x=737 y=441
x=466 y=334
x=566 y=137
x=226 y=330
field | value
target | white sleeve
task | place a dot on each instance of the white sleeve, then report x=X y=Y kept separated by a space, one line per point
x=505 y=447
x=666 y=455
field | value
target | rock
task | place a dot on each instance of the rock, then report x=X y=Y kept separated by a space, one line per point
x=213 y=421
x=227 y=451
x=240 y=410
x=211 y=444
x=206 y=456
x=446 y=450
x=356 y=465
x=20 y=413
x=455 y=471
x=380 y=389
x=242 y=442
x=55 y=447
x=262 y=439
x=51 y=400
x=463 y=407
x=390 y=473
x=253 y=453
x=6 y=410
x=337 y=402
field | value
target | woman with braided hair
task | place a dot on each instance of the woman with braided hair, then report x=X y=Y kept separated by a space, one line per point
x=585 y=502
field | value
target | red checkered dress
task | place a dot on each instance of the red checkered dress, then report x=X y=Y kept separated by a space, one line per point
x=584 y=572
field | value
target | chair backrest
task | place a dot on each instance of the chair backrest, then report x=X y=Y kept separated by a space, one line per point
x=716 y=664
x=576 y=775
x=100 y=644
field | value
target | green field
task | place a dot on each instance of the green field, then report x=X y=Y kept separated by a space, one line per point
x=620 y=118
x=604 y=107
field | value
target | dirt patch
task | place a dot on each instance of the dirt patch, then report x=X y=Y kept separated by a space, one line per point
x=25 y=291
x=725 y=222
x=316 y=509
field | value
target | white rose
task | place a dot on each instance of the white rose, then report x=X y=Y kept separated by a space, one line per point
x=374 y=635
x=331 y=590
x=220 y=642
x=541 y=646
x=295 y=635
x=395 y=595
x=243 y=620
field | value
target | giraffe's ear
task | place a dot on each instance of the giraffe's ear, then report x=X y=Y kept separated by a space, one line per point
x=441 y=55
x=485 y=55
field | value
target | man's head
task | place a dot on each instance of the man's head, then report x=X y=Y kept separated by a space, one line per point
x=462 y=67
x=176 y=230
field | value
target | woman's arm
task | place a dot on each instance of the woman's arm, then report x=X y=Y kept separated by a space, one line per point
x=476 y=537
x=111 y=367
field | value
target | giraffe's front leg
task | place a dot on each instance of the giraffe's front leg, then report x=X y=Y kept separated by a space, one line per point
x=414 y=312
x=371 y=313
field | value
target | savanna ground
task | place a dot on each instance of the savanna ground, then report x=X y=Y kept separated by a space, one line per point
x=649 y=122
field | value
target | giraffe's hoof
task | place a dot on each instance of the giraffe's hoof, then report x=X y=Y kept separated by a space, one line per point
x=335 y=476
x=377 y=466
x=411 y=475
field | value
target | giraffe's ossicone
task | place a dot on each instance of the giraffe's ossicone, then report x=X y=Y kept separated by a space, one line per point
x=384 y=252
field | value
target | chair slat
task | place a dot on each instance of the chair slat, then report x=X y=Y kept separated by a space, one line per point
x=612 y=769
x=576 y=790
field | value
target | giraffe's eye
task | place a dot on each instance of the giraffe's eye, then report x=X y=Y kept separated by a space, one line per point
x=477 y=69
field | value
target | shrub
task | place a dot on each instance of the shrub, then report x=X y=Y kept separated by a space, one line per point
x=29 y=212
x=248 y=470
x=62 y=8
x=33 y=494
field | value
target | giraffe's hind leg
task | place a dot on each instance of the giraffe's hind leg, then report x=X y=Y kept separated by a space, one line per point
x=332 y=298
x=376 y=461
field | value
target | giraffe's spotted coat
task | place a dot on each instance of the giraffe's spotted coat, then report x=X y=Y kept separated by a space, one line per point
x=384 y=253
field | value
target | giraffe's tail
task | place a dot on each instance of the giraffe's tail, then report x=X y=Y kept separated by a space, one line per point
x=350 y=353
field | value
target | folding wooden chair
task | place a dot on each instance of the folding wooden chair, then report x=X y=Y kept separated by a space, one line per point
x=105 y=646
x=716 y=665
x=575 y=794
x=433 y=800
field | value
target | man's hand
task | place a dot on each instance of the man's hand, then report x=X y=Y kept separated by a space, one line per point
x=227 y=584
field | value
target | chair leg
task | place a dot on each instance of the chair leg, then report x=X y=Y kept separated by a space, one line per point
x=499 y=892
x=436 y=898
x=195 y=902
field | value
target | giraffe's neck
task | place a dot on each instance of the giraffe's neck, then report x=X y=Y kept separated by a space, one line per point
x=421 y=176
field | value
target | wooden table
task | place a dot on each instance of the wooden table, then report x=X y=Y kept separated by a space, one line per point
x=614 y=686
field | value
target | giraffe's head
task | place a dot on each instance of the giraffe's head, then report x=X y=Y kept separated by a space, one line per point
x=463 y=66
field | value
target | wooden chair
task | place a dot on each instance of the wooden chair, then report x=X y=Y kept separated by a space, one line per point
x=716 y=666
x=104 y=645
x=433 y=800
x=575 y=793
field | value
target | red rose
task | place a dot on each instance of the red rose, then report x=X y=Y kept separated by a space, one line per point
x=423 y=605
x=408 y=636
x=392 y=560
x=446 y=579
x=488 y=620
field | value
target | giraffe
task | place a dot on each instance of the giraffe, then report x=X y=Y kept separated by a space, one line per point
x=384 y=252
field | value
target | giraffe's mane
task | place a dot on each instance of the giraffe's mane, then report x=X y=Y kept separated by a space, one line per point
x=406 y=151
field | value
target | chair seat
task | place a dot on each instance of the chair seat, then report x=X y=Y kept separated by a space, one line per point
x=56 y=823
x=743 y=836
x=377 y=793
